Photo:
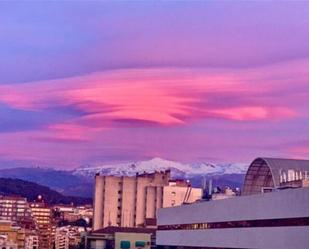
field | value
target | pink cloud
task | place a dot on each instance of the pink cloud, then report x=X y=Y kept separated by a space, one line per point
x=66 y=132
x=163 y=96
x=254 y=113
x=112 y=106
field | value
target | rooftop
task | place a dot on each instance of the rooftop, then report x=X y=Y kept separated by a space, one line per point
x=114 y=229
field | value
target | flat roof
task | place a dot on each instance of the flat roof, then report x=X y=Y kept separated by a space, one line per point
x=115 y=229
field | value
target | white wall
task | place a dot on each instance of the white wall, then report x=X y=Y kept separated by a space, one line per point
x=290 y=203
x=262 y=238
x=283 y=204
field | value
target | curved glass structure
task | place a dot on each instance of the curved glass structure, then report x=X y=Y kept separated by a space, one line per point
x=271 y=172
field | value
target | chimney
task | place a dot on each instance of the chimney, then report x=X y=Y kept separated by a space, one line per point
x=210 y=188
x=204 y=187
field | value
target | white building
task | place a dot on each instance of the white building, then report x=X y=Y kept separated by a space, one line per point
x=5 y=243
x=32 y=241
x=274 y=220
x=67 y=236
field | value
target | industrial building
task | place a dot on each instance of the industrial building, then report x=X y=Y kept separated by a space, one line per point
x=273 y=214
x=131 y=201
x=265 y=174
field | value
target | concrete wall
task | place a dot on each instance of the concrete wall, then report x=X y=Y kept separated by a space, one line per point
x=261 y=238
x=174 y=195
x=110 y=191
x=126 y=201
x=282 y=204
x=293 y=203
x=98 y=244
x=132 y=237
x=140 y=200
x=151 y=192
x=98 y=203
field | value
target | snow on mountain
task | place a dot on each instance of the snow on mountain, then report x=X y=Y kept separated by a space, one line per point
x=157 y=164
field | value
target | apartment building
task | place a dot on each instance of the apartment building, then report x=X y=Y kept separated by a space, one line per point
x=68 y=236
x=11 y=235
x=129 y=201
x=32 y=241
x=42 y=215
x=14 y=208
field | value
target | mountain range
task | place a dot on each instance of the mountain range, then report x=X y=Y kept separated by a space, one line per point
x=177 y=169
x=80 y=181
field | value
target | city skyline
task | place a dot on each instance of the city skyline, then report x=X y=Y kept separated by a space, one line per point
x=95 y=82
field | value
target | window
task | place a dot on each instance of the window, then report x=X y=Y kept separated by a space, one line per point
x=140 y=243
x=291 y=175
x=304 y=221
x=125 y=244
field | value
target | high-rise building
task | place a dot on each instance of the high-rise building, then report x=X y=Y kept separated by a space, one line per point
x=129 y=201
x=42 y=215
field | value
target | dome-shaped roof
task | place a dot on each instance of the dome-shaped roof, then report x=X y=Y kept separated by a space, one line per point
x=265 y=172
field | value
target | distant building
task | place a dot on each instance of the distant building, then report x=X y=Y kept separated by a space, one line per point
x=16 y=209
x=130 y=201
x=17 y=225
x=278 y=219
x=5 y=243
x=32 y=241
x=12 y=236
x=86 y=212
x=179 y=192
x=42 y=215
x=67 y=237
x=120 y=238
x=68 y=213
x=225 y=194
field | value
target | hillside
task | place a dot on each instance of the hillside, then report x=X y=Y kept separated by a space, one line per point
x=62 y=181
x=30 y=190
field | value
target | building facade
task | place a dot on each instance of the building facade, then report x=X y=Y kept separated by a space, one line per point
x=275 y=219
x=130 y=201
x=16 y=209
x=32 y=241
x=67 y=237
x=42 y=215
x=11 y=235
x=120 y=238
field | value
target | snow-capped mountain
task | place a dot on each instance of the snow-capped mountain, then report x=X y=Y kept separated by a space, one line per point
x=177 y=169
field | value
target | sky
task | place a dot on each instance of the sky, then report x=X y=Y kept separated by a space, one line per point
x=94 y=82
